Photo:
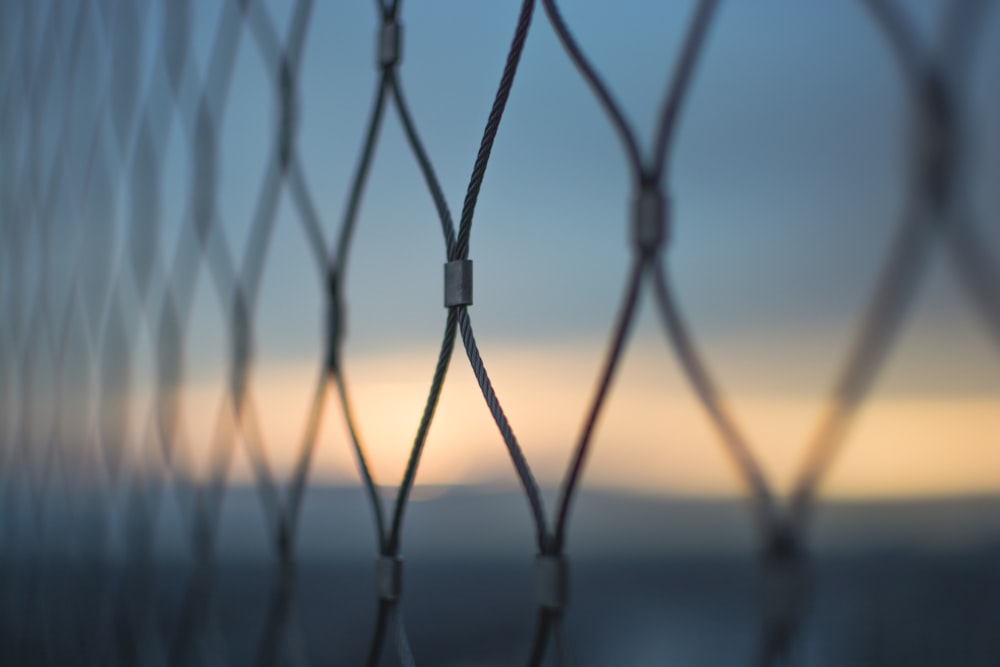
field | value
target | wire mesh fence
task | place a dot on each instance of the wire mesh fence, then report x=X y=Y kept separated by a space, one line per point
x=92 y=288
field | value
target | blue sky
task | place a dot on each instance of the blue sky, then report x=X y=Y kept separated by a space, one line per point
x=788 y=174
x=787 y=179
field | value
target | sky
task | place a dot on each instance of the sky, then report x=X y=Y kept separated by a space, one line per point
x=786 y=182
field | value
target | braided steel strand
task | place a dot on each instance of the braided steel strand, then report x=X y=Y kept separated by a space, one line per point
x=430 y=178
x=622 y=327
x=701 y=381
x=906 y=262
x=267 y=490
x=170 y=339
x=337 y=273
x=176 y=43
x=447 y=347
x=308 y=214
x=211 y=496
x=297 y=486
x=440 y=371
x=510 y=440
x=262 y=27
x=339 y=265
x=973 y=263
x=210 y=246
x=454 y=315
x=378 y=637
x=146 y=491
x=214 y=249
x=901 y=37
x=693 y=47
x=225 y=46
x=890 y=303
x=402 y=643
x=645 y=179
x=362 y=460
x=388 y=544
x=260 y=232
x=598 y=86
x=285 y=60
x=461 y=250
x=543 y=630
x=176 y=301
x=387 y=10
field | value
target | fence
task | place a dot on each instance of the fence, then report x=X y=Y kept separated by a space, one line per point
x=88 y=109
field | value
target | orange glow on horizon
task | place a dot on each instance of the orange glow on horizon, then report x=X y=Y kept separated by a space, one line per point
x=652 y=437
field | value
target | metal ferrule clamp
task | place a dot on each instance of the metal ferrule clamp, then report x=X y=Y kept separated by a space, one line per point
x=649 y=215
x=458 y=283
x=389 y=577
x=390 y=44
x=551 y=581
x=334 y=324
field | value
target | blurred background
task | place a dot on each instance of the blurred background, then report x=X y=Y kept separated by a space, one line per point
x=140 y=190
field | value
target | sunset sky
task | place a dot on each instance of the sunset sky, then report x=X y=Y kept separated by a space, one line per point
x=787 y=179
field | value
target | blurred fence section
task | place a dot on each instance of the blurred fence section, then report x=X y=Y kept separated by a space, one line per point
x=92 y=288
